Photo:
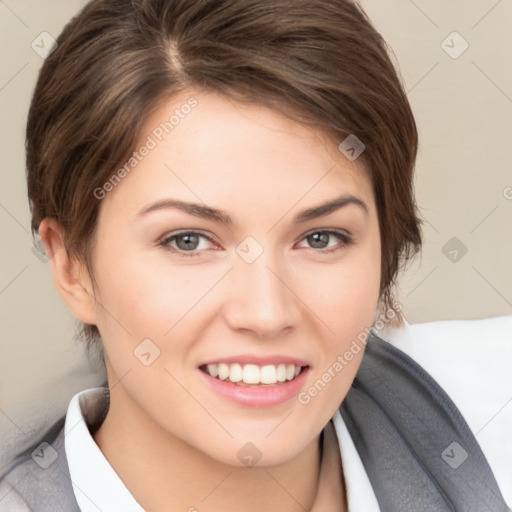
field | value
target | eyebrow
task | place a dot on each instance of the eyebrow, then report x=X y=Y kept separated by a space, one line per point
x=209 y=213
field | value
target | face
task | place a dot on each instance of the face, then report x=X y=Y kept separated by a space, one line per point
x=253 y=275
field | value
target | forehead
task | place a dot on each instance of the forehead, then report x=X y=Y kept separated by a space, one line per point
x=208 y=147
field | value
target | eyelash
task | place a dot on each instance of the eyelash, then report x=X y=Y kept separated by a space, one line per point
x=346 y=241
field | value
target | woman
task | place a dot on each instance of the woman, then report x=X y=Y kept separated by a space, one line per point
x=224 y=190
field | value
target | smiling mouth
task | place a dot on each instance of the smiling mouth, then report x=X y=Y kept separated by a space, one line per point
x=253 y=375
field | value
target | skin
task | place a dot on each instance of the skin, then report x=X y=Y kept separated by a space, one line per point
x=171 y=439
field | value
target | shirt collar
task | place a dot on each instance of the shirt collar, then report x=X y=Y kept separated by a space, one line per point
x=95 y=483
x=97 y=486
x=360 y=494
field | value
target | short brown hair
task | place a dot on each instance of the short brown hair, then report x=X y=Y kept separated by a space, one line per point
x=319 y=61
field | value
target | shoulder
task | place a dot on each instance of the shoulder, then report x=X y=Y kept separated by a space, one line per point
x=38 y=479
x=472 y=361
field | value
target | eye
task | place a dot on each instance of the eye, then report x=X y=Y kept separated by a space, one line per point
x=185 y=242
x=320 y=240
x=188 y=243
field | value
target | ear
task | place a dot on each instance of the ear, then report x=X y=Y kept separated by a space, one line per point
x=69 y=275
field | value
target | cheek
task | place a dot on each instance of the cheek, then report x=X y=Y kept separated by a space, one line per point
x=151 y=298
x=344 y=298
x=161 y=299
x=344 y=295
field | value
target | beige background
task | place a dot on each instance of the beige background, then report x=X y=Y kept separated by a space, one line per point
x=463 y=107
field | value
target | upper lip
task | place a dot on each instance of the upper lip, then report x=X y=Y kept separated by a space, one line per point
x=259 y=361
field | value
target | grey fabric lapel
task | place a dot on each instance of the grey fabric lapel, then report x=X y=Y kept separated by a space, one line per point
x=41 y=483
x=416 y=447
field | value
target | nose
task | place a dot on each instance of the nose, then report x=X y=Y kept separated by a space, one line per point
x=260 y=298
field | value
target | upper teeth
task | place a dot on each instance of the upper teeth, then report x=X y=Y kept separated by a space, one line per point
x=253 y=374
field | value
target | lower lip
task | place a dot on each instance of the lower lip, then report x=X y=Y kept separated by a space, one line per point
x=258 y=396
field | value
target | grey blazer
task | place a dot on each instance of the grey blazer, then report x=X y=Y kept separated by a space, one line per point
x=416 y=447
